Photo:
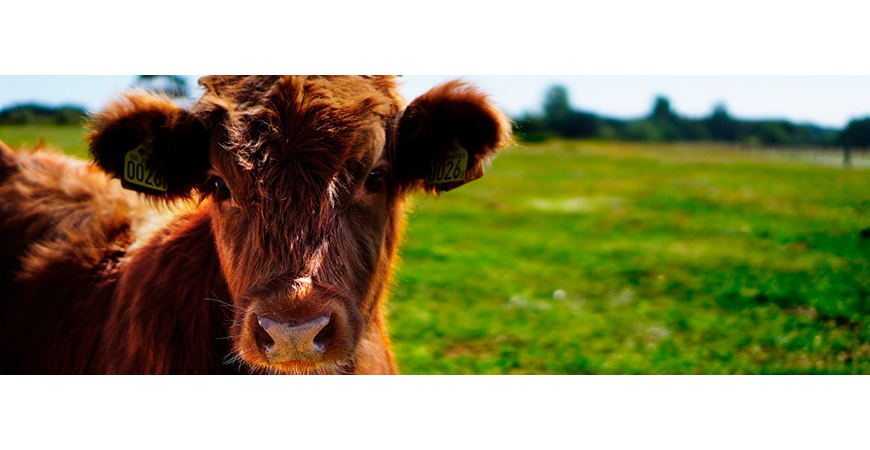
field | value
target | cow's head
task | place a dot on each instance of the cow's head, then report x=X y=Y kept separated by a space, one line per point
x=304 y=179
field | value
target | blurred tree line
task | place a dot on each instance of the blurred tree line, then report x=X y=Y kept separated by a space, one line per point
x=559 y=119
x=665 y=125
x=34 y=114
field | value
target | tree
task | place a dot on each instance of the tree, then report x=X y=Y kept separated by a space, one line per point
x=856 y=134
x=662 y=110
x=172 y=85
x=722 y=126
x=668 y=124
x=556 y=102
x=562 y=120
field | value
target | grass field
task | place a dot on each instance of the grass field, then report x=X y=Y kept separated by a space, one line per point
x=70 y=139
x=585 y=257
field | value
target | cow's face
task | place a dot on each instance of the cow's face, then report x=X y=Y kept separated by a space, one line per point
x=304 y=179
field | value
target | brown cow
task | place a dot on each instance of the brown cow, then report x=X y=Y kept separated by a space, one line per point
x=276 y=206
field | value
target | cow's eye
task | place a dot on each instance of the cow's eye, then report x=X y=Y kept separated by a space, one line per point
x=221 y=191
x=374 y=178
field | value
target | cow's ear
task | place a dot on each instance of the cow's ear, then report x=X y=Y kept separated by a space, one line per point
x=152 y=145
x=446 y=135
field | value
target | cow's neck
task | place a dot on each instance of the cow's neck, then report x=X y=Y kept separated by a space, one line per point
x=374 y=353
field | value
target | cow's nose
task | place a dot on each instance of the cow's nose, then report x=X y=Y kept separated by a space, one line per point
x=293 y=342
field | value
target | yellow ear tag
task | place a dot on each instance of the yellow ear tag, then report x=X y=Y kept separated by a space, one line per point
x=139 y=172
x=449 y=166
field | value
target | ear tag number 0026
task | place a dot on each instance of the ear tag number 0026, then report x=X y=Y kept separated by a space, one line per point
x=139 y=171
x=449 y=167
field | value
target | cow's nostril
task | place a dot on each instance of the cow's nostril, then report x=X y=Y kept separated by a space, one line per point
x=324 y=338
x=264 y=341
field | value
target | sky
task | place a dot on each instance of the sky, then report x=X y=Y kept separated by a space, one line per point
x=830 y=101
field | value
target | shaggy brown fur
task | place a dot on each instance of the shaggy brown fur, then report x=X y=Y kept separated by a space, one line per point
x=285 y=201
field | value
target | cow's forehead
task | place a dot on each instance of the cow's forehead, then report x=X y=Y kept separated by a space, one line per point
x=271 y=116
x=301 y=132
x=248 y=92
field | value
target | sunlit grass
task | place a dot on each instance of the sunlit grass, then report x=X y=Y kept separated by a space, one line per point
x=70 y=139
x=666 y=259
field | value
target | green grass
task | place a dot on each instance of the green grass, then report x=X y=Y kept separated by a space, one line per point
x=585 y=257
x=70 y=139
x=668 y=259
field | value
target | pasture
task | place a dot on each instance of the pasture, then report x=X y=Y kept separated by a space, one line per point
x=589 y=257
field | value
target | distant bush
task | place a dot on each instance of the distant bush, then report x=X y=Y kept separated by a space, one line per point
x=642 y=130
x=856 y=134
x=532 y=137
x=574 y=124
x=530 y=129
x=773 y=133
x=34 y=114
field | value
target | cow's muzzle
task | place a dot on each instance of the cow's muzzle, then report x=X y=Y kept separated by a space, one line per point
x=283 y=341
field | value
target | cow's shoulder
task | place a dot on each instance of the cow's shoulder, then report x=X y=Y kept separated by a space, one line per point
x=56 y=209
x=171 y=305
